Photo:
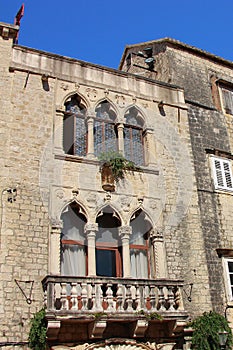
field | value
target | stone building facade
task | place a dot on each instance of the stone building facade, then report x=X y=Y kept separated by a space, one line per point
x=122 y=268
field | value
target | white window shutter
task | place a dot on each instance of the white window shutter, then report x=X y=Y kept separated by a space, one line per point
x=227 y=100
x=222 y=174
x=218 y=173
x=227 y=173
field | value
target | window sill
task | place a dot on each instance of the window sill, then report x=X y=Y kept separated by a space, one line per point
x=95 y=161
x=224 y=191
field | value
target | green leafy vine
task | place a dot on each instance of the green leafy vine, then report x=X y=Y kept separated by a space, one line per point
x=37 y=334
x=206 y=331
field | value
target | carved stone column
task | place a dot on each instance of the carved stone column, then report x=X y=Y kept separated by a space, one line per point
x=120 y=130
x=58 y=132
x=159 y=254
x=54 y=248
x=150 y=154
x=125 y=232
x=90 y=231
x=90 y=135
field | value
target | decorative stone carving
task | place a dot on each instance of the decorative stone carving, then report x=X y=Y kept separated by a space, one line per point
x=75 y=192
x=91 y=200
x=56 y=223
x=125 y=203
x=92 y=94
x=125 y=231
x=106 y=92
x=64 y=86
x=77 y=86
x=60 y=193
x=153 y=204
x=90 y=227
x=108 y=196
x=156 y=234
x=120 y=344
x=120 y=100
x=140 y=200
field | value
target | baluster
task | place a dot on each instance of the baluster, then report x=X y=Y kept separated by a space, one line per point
x=128 y=298
x=109 y=297
x=50 y=296
x=161 y=299
x=120 y=298
x=152 y=298
x=99 y=297
x=64 y=300
x=84 y=298
x=177 y=299
x=145 y=295
x=45 y=299
x=138 y=298
x=171 y=301
x=74 y=296
x=93 y=297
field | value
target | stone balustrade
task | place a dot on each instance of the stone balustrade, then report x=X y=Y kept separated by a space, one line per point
x=111 y=295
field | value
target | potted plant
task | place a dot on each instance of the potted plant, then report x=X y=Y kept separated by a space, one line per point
x=113 y=168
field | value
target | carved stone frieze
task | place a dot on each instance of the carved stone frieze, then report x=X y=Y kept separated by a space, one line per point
x=120 y=344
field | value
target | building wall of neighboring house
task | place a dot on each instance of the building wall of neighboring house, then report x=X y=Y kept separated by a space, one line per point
x=210 y=128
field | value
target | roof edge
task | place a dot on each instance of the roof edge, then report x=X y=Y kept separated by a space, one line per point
x=179 y=44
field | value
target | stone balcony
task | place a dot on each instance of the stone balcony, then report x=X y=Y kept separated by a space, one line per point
x=97 y=307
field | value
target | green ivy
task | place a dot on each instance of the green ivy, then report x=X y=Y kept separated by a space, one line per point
x=206 y=331
x=37 y=334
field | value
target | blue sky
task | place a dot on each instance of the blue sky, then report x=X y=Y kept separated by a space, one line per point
x=98 y=30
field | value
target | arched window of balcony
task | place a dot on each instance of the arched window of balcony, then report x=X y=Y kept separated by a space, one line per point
x=73 y=245
x=139 y=246
x=108 y=247
x=133 y=136
x=74 y=127
x=105 y=134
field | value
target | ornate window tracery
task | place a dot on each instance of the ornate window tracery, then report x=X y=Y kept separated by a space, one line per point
x=103 y=133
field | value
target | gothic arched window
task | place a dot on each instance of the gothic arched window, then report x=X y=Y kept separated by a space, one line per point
x=139 y=246
x=133 y=136
x=105 y=136
x=74 y=127
x=108 y=248
x=73 y=245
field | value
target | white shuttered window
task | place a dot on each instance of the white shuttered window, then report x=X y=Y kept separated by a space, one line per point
x=229 y=273
x=222 y=173
x=227 y=99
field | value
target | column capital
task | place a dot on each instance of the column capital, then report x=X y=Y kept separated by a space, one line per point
x=90 y=228
x=60 y=110
x=125 y=231
x=156 y=235
x=90 y=115
x=56 y=224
